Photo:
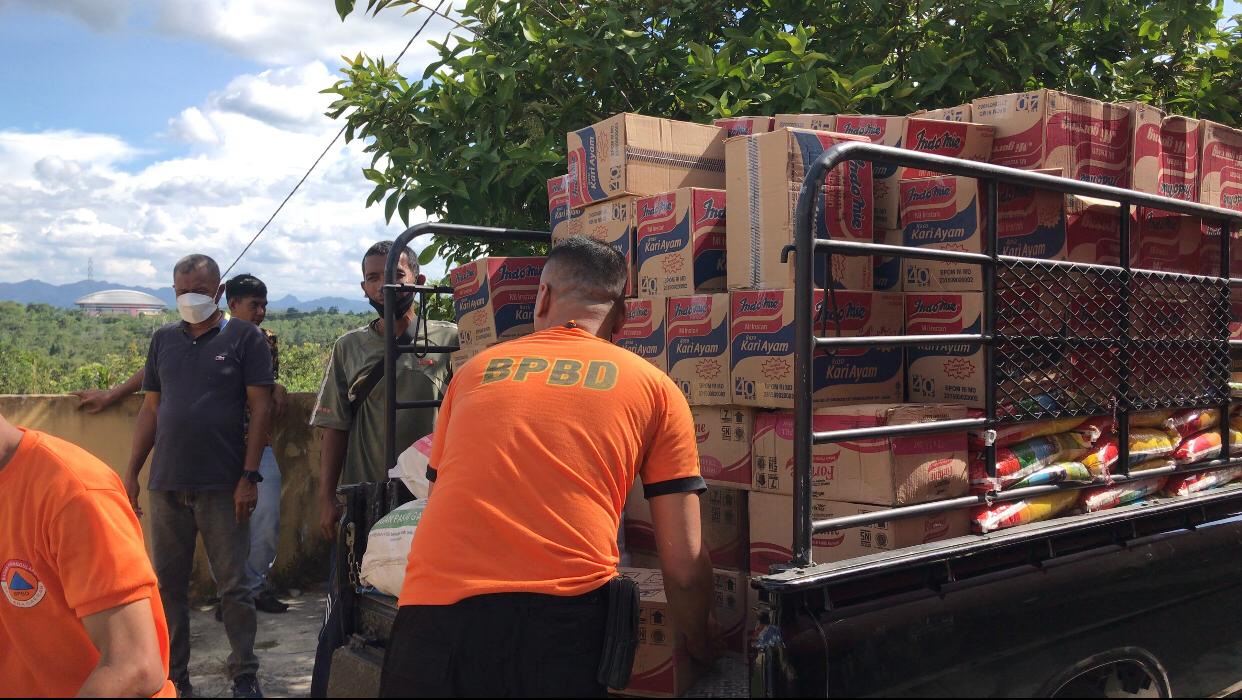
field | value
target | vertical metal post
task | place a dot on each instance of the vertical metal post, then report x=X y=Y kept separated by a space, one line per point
x=988 y=325
x=1227 y=291
x=804 y=358
x=390 y=354
x=1123 y=352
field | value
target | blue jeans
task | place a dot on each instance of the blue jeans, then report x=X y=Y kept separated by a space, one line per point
x=264 y=524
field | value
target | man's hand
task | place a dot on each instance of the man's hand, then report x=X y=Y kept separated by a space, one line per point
x=245 y=497
x=329 y=515
x=705 y=649
x=94 y=400
x=133 y=489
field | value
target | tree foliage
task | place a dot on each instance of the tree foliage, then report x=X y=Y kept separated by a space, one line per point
x=475 y=136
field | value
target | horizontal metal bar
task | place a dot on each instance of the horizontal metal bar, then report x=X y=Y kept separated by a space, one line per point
x=935 y=507
x=869 y=340
x=893 y=431
x=1109 y=342
x=858 y=150
x=430 y=289
x=423 y=403
x=901 y=251
x=416 y=347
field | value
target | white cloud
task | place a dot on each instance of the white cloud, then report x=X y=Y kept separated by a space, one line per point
x=249 y=145
x=98 y=14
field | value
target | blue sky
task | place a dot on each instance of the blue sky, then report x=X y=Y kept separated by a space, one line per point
x=133 y=132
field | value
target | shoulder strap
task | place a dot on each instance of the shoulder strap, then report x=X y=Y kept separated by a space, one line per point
x=362 y=390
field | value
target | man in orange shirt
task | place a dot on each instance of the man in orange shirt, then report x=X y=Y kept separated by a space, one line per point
x=537 y=443
x=80 y=612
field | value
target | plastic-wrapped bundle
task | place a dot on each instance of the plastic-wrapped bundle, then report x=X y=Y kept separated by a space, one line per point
x=1008 y=435
x=1030 y=510
x=1119 y=495
x=1193 y=420
x=1055 y=474
x=1150 y=419
x=1149 y=464
x=1145 y=444
x=1095 y=428
x=1206 y=445
x=1015 y=463
x=1194 y=483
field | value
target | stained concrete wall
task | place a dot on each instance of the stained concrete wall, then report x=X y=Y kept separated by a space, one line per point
x=302 y=554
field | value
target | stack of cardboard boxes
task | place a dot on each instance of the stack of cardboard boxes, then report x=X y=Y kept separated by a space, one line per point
x=703 y=215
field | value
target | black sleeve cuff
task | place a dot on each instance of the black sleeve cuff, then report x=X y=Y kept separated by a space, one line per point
x=431 y=474
x=689 y=484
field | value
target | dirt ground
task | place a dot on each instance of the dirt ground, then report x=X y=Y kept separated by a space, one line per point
x=285 y=645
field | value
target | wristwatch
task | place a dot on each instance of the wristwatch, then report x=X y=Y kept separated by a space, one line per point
x=253 y=477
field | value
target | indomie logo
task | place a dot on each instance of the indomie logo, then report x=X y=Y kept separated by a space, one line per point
x=1175 y=189
x=663 y=205
x=761 y=304
x=915 y=194
x=937 y=142
x=1231 y=200
x=638 y=312
x=859 y=204
x=711 y=211
x=864 y=129
x=519 y=273
x=689 y=309
x=851 y=311
x=936 y=307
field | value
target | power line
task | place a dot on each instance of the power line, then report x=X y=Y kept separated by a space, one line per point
x=331 y=143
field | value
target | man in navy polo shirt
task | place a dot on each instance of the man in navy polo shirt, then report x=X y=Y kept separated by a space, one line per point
x=201 y=375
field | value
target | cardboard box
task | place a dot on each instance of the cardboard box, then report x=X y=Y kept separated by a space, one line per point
x=723 y=514
x=724 y=437
x=955 y=139
x=1164 y=157
x=948 y=372
x=611 y=222
x=948 y=213
x=888 y=268
x=643 y=330
x=814 y=122
x=731 y=601
x=681 y=242
x=1093 y=230
x=761 y=332
x=494 y=298
x=662 y=666
x=900 y=471
x=697 y=328
x=459 y=359
x=639 y=155
x=563 y=221
x=1087 y=139
x=744 y=126
x=1220 y=185
x=886 y=131
x=960 y=113
x=771 y=537
x=765 y=176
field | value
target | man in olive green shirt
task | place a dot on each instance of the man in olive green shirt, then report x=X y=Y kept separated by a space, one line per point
x=353 y=442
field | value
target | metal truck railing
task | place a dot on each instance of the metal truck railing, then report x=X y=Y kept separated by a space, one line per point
x=1186 y=367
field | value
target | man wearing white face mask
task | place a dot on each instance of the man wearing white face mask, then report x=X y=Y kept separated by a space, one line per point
x=201 y=375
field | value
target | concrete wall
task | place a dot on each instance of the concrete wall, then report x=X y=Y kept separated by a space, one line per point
x=303 y=554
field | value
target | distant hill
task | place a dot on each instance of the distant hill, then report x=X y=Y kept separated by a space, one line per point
x=63 y=296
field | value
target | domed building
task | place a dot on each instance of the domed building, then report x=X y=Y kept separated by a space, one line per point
x=120 y=301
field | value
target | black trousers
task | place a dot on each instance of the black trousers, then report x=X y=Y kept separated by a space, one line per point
x=502 y=645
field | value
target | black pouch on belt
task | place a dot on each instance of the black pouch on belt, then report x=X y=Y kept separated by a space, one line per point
x=621 y=633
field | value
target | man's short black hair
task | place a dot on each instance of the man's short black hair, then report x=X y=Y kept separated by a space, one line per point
x=194 y=261
x=381 y=249
x=244 y=286
x=592 y=271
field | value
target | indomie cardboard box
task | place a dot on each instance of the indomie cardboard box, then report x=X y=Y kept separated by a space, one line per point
x=1087 y=139
x=613 y=223
x=948 y=213
x=761 y=333
x=662 y=666
x=771 y=538
x=563 y=221
x=898 y=471
x=723 y=515
x=886 y=131
x=494 y=298
x=681 y=242
x=888 y=267
x=1220 y=185
x=954 y=139
x=744 y=126
x=764 y=179
x=642 y=332
x=730 y=601
x=960 y=113
x=724 y=437
x=945 y=372
x=814 y=122
x=697 y=328
x=639 y=155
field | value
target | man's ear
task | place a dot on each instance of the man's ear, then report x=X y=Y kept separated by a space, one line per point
x=543 y=301
x=618 y=317
x=420 y=278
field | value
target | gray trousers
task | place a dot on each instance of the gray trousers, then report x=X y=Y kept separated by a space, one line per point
x=177 y=518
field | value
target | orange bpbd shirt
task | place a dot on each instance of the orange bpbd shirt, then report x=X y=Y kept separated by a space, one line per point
x=536 y=445
x=70 y=547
